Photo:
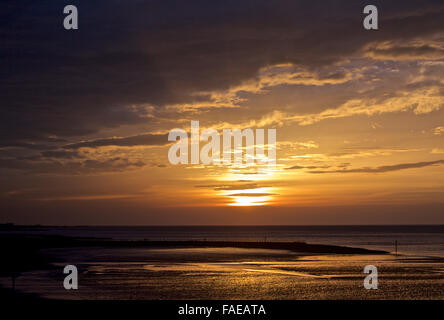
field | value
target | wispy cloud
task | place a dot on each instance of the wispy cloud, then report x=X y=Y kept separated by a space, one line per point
x=382 y=169
x=131 y=141
x=231 y=187
x=262 y=194
x=307 y=167
x=420 y=101
x=438 y=131
x=92 y=197
x=415 y=50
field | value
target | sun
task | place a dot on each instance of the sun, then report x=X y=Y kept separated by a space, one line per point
x=250 y=197
x=246 y=201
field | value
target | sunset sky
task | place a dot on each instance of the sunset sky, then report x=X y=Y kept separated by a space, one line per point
x=85 y=114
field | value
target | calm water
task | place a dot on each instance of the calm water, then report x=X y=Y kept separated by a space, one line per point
x=235 y=273
x=412 y=240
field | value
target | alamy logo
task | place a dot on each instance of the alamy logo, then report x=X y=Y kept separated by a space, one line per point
x=71 y=280
x=371 y=281
x=210 y=153
x=71 y=21
x=371 y=20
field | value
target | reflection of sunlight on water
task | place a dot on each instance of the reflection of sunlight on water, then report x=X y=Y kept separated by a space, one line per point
x=234 y=273
x=289 y=273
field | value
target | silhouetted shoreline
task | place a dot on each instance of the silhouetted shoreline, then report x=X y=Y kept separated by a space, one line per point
x=23 y=252
x=204 y=269
x=50 y=241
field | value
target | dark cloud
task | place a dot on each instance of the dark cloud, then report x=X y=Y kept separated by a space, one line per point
x=412 y=52
x=61 y=154
x=113 y=164
x=50 y=154
x=138 y=140
x=228 y=187
x=62 y=83
x=306 y=167
x=25 y=145
x=67 y=160
x=344 y=165
x=380 y=169
x=38 y=165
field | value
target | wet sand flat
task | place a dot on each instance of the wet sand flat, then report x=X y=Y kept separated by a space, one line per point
x=232 y=273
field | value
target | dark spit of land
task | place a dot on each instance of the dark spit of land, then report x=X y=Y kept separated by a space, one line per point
x=36 y=242
x=24 y=252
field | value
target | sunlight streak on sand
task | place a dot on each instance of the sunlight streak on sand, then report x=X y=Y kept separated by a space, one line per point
x=291 y=273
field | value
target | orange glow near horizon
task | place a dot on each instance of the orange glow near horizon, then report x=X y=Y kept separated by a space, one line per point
x=250 y=197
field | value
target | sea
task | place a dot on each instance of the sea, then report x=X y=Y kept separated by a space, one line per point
x=418 y=240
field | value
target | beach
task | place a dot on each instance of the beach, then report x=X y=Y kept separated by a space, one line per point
x=152 y=270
